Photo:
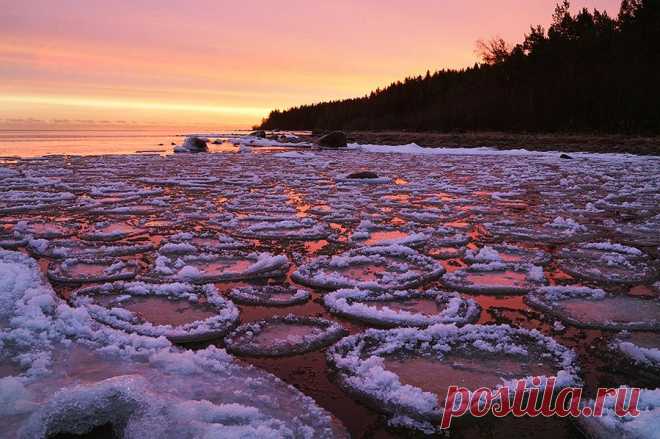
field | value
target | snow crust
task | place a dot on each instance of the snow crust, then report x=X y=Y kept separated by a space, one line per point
x=644 y=426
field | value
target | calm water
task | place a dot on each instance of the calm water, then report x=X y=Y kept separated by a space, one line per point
x=33 y=143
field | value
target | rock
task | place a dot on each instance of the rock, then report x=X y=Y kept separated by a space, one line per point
x=565 y=156
x=362 y=174
x=259 y=133
x=335 y=139
x=193 y=144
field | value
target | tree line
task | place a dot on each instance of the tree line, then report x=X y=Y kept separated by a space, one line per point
x=588 y=72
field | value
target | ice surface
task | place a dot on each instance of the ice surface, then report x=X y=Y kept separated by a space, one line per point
x=461 y=201
x=593 y=308
x=640 y=347
x=269 y=296
x=62 y=249
x=45 y=230
x=393 y=266
x=76 y=270
x=644 y=426
x=608 y=262
x=191 y=243
x=305 y=229
x=507 y=254
x=212 y=267
x=496 y=278
x=110 y=231
x=413 y=148
x=114 y=304
x=74 y=375
x=279 y=336
x=470 y=371
x=369 y=364
x=403 y=308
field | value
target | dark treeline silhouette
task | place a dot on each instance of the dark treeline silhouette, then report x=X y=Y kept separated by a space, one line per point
x=588 y=72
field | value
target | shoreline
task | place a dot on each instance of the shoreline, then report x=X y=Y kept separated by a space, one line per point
x=596 y=143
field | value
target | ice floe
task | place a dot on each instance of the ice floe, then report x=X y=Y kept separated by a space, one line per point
x=283 y=335
x=407 y=371
x=594 y=308
x=110 y=231
x=81 y=270
x=63 y=248
x=495 y=278
x=269 y=295
x=180 y=312
x=642 y=348
x=216 y=267
x=11 y=240
x=306 y=229
x=607 y=262
x=559 y=230
x=609 y=425
x=402 y=308
x=508 y=254
x=12 y=201
x=393 y=266
x=206 y=242
x=45 y=229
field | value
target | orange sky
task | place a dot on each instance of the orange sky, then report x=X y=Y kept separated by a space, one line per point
x=226 y=64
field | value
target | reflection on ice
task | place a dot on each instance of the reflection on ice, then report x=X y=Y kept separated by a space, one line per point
x=593 y=308
x=435 y=376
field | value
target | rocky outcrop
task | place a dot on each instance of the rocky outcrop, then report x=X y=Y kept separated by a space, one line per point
x=362 y=175
x=335 y=139
x=193 y=144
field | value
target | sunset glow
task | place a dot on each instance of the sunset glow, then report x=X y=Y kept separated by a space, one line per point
x=227 y=64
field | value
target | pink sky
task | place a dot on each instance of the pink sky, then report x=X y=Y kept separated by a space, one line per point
x=227 y=63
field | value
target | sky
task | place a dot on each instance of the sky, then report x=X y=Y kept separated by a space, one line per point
x=226 y=64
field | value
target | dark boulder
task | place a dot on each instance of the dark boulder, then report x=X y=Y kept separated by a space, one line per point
x=565 y=156
x=259 y=133
x=335 y=139
x=362 y=174
x=193 y=144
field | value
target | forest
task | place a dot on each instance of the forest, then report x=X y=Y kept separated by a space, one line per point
x=587 y=72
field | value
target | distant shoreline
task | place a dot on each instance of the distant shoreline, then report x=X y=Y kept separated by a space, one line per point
x=598 y=143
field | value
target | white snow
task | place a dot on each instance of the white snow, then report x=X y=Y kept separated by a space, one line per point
x=74 y=375
x=644 y=426
x=386 y=309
